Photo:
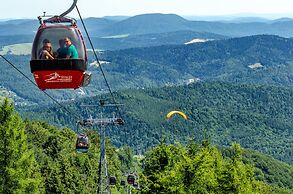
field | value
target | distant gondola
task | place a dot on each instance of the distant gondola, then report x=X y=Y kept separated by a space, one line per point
x=59 y=72
x=113 y=180
x=122 y=183
x=82 y=143
x=131 y=179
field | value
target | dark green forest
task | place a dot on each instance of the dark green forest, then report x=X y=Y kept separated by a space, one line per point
x=257 y=117
x=39 y=158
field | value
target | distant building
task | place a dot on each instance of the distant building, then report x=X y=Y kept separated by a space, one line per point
x=192 y=80
x=196 y=41
x=255 y=66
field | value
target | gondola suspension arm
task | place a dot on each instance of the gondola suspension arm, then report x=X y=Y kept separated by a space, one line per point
x=70 y=9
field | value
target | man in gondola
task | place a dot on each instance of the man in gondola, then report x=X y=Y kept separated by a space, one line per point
x=62 y=50
x=71 y=49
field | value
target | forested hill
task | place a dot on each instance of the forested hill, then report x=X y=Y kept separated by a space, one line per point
x=153 y=39
x=261 y=59
x=258 y=117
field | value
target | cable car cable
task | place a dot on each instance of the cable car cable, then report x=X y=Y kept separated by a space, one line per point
x=99 y=64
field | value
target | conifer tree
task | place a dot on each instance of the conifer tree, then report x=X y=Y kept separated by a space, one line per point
x=18 y=168
x=204 y=170
x=237 y=177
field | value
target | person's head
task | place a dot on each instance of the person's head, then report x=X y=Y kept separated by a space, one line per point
x=67 y=41
x=46 y=41
x=48 y=46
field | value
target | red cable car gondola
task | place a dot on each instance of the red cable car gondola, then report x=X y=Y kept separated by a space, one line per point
x=59 y=73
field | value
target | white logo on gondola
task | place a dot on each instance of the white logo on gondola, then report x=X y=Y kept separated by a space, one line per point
x=55 y=77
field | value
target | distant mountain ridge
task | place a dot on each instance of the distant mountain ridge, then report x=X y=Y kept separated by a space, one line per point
x=18 y=27
x=148 y=23
x=116 y=18
x=161 y=23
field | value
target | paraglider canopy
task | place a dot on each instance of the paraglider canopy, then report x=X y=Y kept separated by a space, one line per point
x=170 y=114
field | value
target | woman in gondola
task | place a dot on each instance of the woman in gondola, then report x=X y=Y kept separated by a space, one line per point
x=47 y=51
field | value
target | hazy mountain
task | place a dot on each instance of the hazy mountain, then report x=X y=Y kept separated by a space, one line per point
x=161 y=23
x=227 y=19
x=148 y=23
x=18 y=27
x=15 y=21
x=16 y=39
x=158 y=23
x=116 y=18
x=148 y=40
x=235 y=16
x=95 y=25
x=247 y=20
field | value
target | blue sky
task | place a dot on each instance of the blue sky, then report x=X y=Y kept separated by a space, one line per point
x=100 y=8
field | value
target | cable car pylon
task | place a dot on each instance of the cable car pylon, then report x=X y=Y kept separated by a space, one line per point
x=103 y=177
